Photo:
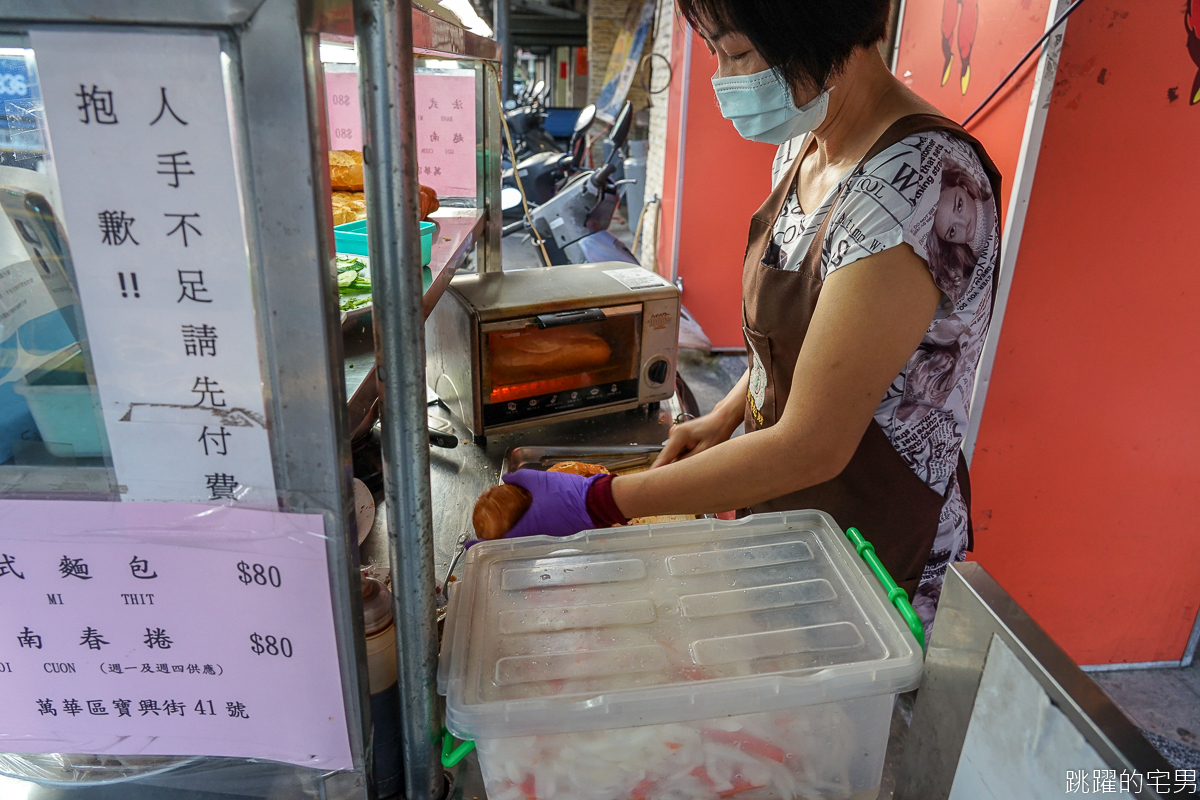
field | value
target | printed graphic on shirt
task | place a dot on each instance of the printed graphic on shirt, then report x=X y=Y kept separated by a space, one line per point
x=930 y=192
x=758 y=386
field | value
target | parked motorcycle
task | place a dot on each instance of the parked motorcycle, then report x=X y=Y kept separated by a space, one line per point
x=574 y=223
x=525 y=124
x=543 y=173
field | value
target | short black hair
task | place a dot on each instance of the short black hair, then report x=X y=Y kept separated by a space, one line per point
x=807 y=41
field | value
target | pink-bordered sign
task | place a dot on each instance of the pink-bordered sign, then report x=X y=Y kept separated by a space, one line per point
x=168 y=629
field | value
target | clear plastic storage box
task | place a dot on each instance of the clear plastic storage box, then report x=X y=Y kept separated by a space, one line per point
x=688 y=661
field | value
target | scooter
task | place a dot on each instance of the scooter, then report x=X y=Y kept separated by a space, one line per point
x=525 y=123
x=543 y=173
x=574 y=223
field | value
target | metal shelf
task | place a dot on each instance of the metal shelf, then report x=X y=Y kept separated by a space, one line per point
x=460 y=229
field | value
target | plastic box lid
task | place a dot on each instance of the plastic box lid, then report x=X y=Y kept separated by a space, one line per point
x=653 y=624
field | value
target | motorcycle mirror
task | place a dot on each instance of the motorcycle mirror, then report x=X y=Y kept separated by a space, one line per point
x=509 y=198
x=585 y=119
x=538 y=88
x=620 y=129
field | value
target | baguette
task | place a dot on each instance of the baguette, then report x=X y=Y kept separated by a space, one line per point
x=534 y=356
x=498 y=509
x=342 y=214
x=346 y=177
x=348 y=207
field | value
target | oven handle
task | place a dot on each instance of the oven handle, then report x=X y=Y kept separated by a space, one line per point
x=573 y=317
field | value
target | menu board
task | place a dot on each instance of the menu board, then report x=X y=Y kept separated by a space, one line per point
x=168 y=629
x=142 y=144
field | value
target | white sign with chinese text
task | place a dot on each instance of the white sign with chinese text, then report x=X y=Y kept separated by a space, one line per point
x=142 y=145
x=168 y=629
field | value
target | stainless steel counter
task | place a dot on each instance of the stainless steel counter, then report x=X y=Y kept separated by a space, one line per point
x=459 y=475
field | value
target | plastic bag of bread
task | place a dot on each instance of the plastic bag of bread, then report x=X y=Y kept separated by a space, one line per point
x=342 y=214
x=345 y=170
x=348 y=207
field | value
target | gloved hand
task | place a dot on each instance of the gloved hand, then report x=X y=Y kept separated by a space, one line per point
x=559 y=503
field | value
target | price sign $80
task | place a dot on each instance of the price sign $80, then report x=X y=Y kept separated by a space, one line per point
x=259 y=575
x=270 y=645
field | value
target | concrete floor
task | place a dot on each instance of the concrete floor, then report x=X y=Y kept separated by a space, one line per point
x=1165 y=704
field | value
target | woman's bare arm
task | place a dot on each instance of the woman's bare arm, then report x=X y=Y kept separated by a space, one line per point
x=870 y=318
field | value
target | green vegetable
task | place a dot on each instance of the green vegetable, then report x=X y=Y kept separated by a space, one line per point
x=354 y=285
x=349 y=262
x=350 y=303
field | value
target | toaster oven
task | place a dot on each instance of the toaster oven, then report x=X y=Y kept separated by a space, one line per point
x=510 y=350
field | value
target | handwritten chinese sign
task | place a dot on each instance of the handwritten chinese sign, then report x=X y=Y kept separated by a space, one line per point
x=341 y=103
x=445 y=101
x=142 y=143
x=446 y=131
x=168 y=629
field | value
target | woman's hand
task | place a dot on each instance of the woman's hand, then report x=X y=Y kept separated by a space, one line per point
x=694 y=436
x=697 y=435
x=559 y=503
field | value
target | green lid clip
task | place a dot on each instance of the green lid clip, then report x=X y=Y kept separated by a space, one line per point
x=451 y=755
x=898 y=596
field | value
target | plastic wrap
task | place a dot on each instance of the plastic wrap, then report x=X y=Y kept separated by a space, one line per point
x=243 y=777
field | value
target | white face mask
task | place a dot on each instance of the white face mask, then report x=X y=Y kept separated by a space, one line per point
x=760 y=107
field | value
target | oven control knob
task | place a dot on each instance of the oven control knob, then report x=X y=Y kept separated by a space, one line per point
x=657 y=373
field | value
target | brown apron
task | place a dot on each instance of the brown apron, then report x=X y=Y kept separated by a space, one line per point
x=877 y=492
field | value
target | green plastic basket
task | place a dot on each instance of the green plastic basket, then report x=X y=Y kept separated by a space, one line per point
x=351 y=238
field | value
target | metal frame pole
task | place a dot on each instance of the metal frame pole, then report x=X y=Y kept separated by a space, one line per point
x=383 y=30
x=503 y=32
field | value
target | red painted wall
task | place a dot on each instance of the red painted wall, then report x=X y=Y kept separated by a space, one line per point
x=1003 y=31
x=1086 y=467
x=725 y=180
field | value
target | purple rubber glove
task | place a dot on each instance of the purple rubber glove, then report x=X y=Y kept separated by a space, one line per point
x=559 y=503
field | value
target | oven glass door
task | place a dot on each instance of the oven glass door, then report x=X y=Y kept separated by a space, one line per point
x=532 y=371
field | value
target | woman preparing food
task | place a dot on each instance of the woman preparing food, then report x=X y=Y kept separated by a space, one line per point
x=867 y=291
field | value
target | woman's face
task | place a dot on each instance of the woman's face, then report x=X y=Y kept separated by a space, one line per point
x=735 y=55
x=955 y=219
